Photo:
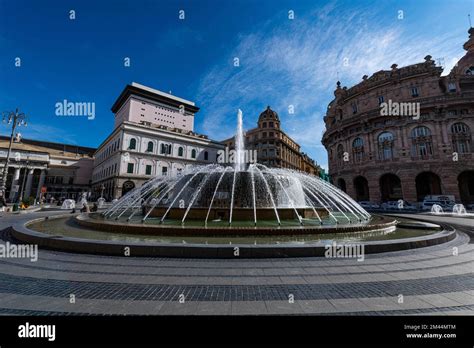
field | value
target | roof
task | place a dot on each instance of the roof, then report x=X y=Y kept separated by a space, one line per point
x=55 y=149
x=153 y=94
x=271 y=114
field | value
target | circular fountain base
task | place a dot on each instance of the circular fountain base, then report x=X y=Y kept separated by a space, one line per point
x=221 y=228
x=53 y=233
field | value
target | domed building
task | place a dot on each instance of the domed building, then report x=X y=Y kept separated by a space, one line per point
x=405 y=133
x=274 y=147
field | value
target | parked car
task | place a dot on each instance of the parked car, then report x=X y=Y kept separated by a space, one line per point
x=399 y=205
x=369 y=205
x=444 y=201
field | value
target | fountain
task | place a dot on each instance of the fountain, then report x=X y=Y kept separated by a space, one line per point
x=459 y=209
x=68 y=204
x=235 y=209
x=436 y=209
x=238 y=194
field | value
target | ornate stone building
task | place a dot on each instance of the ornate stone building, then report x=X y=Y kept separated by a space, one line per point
x=380 y=156
x=46 y=169
x=153 y=136
x=274 y=147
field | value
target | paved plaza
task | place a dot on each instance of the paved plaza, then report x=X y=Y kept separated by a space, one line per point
x=422 y=281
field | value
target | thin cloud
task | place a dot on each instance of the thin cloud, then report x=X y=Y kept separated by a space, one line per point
x=298 y=62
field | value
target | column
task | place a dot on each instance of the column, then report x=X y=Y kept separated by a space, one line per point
x=13 y=192
x=40 y=183
x=29 y=182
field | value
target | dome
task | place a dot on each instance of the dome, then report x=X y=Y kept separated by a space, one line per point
x=268 y=115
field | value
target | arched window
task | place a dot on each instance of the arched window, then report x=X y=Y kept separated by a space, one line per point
x=133 y=144
x=165 y=149
x=421 y=142
x=193 y=153
x=180 y=151
x=358 y=149
x=149 y=148
x=461 y=137
x=385 y=145
x=470 y=71
x=340 y=154
x=206 y=156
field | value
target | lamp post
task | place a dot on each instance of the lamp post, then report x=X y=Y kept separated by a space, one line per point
x=16 y=119
x=20 y=197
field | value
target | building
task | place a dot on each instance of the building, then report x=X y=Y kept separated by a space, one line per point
x=39 y=168
x=380 y=156
x=153 y=135
x=274 y=147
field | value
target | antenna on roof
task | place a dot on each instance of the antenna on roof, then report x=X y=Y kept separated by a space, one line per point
x=469 y=16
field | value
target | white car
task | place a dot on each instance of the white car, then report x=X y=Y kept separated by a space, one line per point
x=398 y=205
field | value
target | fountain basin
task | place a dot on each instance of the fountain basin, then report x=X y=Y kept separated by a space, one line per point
x=238 y=214
x=98 y=222
x=57 y=233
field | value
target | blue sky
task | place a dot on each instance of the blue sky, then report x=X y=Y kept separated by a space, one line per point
x=283 y=62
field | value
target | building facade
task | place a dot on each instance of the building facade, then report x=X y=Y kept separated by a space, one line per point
x=153 y=135
x=45 y=169
x=405 y=133
x=274 y=147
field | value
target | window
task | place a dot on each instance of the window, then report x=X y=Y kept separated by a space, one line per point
x=165 y=149
x=180 y=151
x=414 y=92
x=193 y=153
x=133 y=144
x=451 y=87
x=470 y=71
x=149 y=148
x=271 y=124
x=461 y=137
x=264 y=124
x=264 y=134
x=354 y=108
x=385 y=145
x=130 y=168
x=380 y=99
x=340 y=154
x=421 y=131
x=206 y=156
x=148 y=169
x=164 y=171
x=358 y=149
x=421 y=142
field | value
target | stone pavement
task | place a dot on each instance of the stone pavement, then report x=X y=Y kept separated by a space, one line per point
x=421 y=281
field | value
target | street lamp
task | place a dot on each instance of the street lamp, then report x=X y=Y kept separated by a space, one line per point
x=15 y=119
x=20 y=197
